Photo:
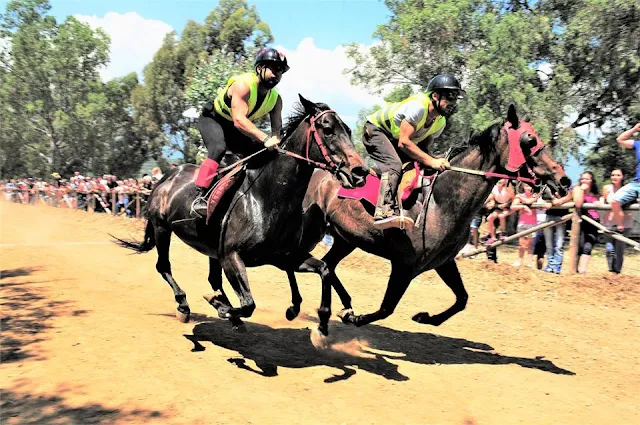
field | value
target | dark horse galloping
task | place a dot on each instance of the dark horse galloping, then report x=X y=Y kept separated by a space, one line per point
x=446 y=211
x=261 y=223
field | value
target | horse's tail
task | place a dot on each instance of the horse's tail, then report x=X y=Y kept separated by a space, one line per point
x=146 y=245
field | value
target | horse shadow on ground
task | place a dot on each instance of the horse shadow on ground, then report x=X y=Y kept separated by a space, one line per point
x=368 y=348
x=24 y=408
x=26 y=315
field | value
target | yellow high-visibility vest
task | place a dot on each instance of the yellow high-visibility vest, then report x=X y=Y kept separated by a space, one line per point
x=383 y=119
x=251 y=80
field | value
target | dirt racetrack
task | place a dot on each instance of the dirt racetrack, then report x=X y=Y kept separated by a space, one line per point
x=89 y=337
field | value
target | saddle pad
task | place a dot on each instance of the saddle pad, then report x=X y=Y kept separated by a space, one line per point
x=220 y=188
x=368 y=192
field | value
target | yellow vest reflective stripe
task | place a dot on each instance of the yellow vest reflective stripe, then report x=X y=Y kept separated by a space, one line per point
x=251 y=80
x=383 y=118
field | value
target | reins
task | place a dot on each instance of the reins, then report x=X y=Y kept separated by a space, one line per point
x=490 y=174
x=329 y=165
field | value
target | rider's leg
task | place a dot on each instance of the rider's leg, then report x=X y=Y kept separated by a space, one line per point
x=213 y=137
x=382 y=151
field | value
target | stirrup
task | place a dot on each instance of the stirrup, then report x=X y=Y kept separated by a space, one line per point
x=194 y=208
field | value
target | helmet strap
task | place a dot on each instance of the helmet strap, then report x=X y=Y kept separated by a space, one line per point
x=260 y=72
x=440 y=109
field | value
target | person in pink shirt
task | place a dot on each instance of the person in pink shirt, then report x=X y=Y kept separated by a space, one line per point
x=526 y=221
x=586 y=192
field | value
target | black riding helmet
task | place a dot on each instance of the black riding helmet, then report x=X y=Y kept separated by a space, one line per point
x=449 y=86
x=269 y=54
x=444 y=82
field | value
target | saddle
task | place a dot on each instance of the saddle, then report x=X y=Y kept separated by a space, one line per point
x=223 y=182
x=414 y=179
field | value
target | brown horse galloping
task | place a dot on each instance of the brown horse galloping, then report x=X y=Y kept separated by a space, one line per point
x=445 y=213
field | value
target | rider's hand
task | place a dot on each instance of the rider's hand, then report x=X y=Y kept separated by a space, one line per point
x=271 y=143
x=440 y=164
x=637 y=127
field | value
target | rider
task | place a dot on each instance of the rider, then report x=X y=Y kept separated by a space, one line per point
x=228 y=123
x=396 y=130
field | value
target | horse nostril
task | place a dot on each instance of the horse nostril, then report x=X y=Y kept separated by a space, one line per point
x=565 y=181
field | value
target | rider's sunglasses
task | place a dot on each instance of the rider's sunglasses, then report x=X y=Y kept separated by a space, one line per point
x=451 y=96
x=275 y=66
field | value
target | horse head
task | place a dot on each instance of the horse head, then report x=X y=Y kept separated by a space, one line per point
x=521 y=149
x=328 y=142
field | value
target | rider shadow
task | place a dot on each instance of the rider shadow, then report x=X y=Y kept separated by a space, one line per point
x=270 y=348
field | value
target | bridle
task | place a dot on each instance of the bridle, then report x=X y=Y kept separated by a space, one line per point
x=312 y=132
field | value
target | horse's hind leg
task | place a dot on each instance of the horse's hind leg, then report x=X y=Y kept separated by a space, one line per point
x=163 y=266
x=449 y=273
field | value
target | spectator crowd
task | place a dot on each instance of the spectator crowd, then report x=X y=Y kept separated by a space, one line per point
x=101 y=194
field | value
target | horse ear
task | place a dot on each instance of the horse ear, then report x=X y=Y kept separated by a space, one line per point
x=512 y=116
x=310 y=107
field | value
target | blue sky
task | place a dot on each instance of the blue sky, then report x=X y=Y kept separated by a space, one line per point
x=329 y=22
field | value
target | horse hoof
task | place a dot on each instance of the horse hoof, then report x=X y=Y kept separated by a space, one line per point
x=319 y=340
x=183 y=317
x=345 y=315
x=292 y=313
x=423 y=318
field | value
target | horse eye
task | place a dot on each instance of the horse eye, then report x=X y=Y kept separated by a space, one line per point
x=328 y=130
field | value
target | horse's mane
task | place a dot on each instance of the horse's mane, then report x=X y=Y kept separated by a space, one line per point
x=482 y=140
x=297 y=116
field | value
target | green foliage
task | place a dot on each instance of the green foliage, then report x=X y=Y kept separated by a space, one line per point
x=500 y=50
x=187 y=71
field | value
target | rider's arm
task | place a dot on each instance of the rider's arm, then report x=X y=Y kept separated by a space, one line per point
x=626 y=138
x=275 y=116
x=239 y=93
x=411 y=149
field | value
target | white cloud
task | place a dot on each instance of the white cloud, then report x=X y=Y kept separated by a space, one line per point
x=317 y=74
x=134 y=41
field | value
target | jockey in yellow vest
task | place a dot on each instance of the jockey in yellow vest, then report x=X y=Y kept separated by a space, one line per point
x=228 y=122
x=396 y=130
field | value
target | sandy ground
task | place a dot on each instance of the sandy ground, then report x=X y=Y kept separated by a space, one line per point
x=89 y=337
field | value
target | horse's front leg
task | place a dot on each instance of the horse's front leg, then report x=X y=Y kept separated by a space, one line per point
x=296 y=299
x=396 y=287
x=236 y=273
x=449 y=273
x=218 y=299
x=313 y=265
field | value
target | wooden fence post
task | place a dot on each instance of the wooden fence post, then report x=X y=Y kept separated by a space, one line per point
x=574 y=241
x=113 y=202
x=137 y=204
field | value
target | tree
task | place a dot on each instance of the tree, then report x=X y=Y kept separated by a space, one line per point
x=565 y=63
x=49 y=70
x=185 y=72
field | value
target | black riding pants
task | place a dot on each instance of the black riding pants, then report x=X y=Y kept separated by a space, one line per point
x=384 y=153
x=220 y=135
